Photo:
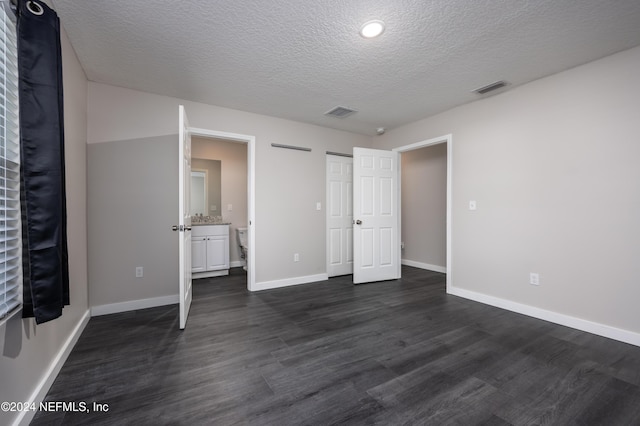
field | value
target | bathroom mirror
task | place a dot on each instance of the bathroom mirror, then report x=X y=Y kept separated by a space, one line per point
x=205 y=187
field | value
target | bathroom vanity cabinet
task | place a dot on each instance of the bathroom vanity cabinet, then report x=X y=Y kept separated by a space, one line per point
x=209 y=250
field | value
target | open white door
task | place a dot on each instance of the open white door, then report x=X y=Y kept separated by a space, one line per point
x=376 y=229
x=184 y=220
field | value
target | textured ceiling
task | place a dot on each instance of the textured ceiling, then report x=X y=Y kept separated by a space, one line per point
x=297 y=59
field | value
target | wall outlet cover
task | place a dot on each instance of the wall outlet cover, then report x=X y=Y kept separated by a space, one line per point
x=534 y=279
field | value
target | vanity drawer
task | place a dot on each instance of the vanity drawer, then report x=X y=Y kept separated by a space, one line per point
x=209 y=230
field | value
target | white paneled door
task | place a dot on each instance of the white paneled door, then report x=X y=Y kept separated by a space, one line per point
x=376 y=229
x=184 y=217
x=339 y=215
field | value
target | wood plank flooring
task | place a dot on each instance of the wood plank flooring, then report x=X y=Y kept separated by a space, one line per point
x=389 y=353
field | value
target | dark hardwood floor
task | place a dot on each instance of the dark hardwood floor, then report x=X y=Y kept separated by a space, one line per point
x=389 y=353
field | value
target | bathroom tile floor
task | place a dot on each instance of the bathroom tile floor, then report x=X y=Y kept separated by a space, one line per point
x=389 y=353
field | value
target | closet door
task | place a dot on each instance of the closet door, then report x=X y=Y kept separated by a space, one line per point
x=376 y=229
x=339 y=215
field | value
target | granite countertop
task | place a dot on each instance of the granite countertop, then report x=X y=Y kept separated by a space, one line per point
x=199 y=220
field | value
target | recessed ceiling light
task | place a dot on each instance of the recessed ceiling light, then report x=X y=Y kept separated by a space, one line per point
x=372 y=29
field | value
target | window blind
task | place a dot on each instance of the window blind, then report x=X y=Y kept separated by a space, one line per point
x=10 y=231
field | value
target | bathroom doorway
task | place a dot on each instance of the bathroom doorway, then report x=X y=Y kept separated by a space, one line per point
x=228 y=162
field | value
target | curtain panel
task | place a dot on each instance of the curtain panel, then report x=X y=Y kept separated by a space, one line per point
x=43 y=198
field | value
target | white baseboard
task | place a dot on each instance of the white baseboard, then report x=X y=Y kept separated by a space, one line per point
x=236 y=264
x=426 y=266
x=41 y=390
x=132 y=305
x=614 y=333
x=266 y=285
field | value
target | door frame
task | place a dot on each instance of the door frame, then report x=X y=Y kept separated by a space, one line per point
x=251 y=191
x=448 y=139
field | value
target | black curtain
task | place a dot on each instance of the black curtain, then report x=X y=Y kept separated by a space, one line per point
x=43 y=198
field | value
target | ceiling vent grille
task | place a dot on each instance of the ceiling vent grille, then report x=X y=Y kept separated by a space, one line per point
x=490 y=87
x=340 y=112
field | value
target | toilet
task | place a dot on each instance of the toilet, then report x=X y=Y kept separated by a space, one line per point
x=242 y=236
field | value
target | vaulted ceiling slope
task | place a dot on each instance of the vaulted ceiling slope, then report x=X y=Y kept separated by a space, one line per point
x=297 y=59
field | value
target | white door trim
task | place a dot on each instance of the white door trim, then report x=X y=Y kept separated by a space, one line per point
x=251 y=191
x=448 y=139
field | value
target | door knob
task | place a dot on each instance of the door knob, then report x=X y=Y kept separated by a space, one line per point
x=358 y=222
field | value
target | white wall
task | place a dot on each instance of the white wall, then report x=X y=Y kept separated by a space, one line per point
x=132 y=204
x=30 y=353
x=233 y=182
x=553 y=166
x=424 y=207
x=288 y=185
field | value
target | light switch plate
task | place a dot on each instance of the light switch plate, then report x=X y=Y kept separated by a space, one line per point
x=472 y=205
x=318 y=206
x=230 y=207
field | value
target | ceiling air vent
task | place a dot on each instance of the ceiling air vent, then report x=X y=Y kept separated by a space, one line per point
x=340 y=112
x=490 y=87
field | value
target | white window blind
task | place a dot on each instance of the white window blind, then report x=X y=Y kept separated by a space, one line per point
x=10 y=232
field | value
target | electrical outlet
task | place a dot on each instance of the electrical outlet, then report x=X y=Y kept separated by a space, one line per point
x=402 y=245
x=230 y=207
x=534 y=279
x=139 y=271
x=296 y=257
